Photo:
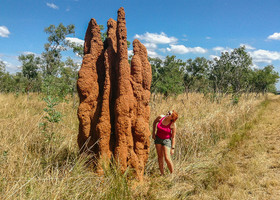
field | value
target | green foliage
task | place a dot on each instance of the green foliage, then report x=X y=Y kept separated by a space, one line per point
x=30 y=66
x=118 y=187
x=264 y=80
x=52 y=117
x=2 y=68
x=168 y=75
x=56 y=43
x=55 y=86
x=230 y=73
x=77 y=48
x=196 y=74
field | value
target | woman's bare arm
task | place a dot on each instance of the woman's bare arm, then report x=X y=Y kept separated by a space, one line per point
x=173 y=132
x=154 y=125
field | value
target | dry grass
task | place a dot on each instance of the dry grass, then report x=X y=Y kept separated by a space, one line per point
x=33 y=168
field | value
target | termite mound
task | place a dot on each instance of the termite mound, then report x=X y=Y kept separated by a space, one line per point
x=114 y=97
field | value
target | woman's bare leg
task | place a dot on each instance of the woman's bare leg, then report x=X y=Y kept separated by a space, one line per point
x=167 y=157
x=160 y=158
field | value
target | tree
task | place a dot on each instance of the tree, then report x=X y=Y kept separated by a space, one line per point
x=168 y=75
x=156 y=64
x=69 y=74
x=264 y=80
x=2 y=67
x=196 y=72
x=2 y=74
x=54 y=74
x=229 y=73
x=56 y=44
x=30 y=66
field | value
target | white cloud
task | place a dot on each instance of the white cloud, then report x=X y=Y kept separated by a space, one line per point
x=265 y=56
x=156 y=38
x=247 y=46
x=163 y=50
x=4 y=31
x=75 y=40
x=255 y=66
x=11 y=67
x=212 y=57
x=150 y=45
x=218 y=48
x=222 y=49
x=274 y=36
x=53 y=6
x=29 y=52
x=130 y=52
x=154 y=54
x=181 y=49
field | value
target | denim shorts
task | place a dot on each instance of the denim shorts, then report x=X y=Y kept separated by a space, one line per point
x=164 y=142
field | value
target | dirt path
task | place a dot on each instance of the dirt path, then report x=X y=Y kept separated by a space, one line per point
x=257 y=160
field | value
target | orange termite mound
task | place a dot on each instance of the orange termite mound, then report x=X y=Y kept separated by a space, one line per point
x=114 y=97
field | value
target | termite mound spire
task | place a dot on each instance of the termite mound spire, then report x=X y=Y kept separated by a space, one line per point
x=114 y=98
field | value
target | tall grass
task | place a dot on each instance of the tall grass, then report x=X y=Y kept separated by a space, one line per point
x=32 y=167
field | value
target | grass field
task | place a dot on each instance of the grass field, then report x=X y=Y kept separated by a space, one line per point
x=36 y=164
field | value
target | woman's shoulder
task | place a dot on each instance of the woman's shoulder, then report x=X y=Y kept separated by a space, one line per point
x=159 y=118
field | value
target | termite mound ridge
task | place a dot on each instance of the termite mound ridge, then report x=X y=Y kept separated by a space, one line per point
x=114 y=98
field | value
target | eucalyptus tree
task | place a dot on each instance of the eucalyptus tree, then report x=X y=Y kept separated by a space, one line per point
x=56 y=44
x=30 y=69
x=168 y=75
x=264 y=80
x=196 y=74
x=230 y=72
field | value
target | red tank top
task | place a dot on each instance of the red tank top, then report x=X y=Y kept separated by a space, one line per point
x=163 y=132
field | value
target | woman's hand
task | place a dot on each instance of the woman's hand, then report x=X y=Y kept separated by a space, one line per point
x=171 y=151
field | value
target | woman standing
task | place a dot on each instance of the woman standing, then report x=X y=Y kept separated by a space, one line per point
x=165 y=139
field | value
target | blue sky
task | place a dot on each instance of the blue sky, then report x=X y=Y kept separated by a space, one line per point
x=185 y=28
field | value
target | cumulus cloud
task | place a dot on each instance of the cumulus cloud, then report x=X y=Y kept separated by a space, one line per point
x=247 y=46
x=150 y=45
x=265 y=56
x=75 y=40
x=53 y=6
x=153 y=54
x=12 y=68
x=156 y=38
x=255 y=66
x=212 y=57
x=4 y=31
x=130 y=52
x=181 y=49
x=274 y=36
x=163 y=50
x=222 y=49
x=29 y=52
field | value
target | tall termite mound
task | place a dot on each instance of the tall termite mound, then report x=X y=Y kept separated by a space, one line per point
x=114 y=97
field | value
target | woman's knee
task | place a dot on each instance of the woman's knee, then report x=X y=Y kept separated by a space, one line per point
x=167 y=159
x=160 y=157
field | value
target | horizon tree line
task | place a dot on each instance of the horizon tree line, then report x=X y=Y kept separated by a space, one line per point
x=231 y=73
